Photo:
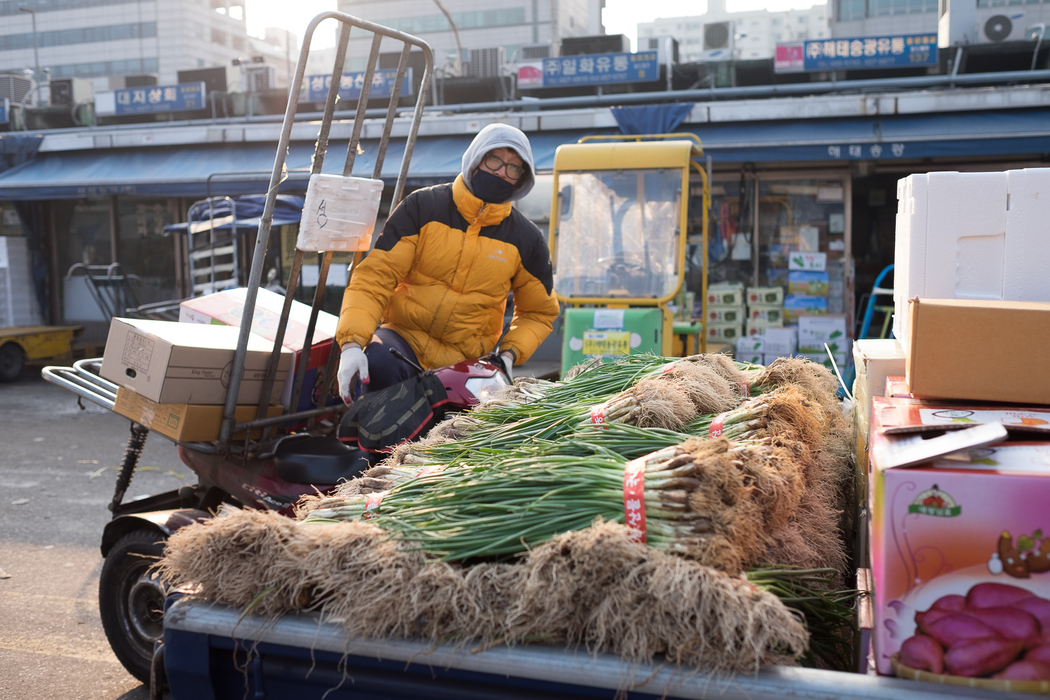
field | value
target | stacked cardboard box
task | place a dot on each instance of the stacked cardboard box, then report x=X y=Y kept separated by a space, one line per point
x=808 y=280
x=765 y=309
x=169 y=372
x=726 y=312
x=957 y=488
x=818 y=334
x=227 y=308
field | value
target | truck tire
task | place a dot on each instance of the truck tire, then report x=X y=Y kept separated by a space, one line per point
x=12 y=360
x=131 y=599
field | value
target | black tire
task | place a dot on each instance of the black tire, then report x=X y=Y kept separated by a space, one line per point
x=12 y=361
x=131 y=599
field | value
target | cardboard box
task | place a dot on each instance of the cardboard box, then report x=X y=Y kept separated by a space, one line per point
x=724 y=332
x=726 y=293
x=875 y=360
x=797 y=306
x=773 y=314
x=725 y=313
x=971 y=236
x=758 y=326
x=814 y=332
x=170 y=362
x=227 y=308
x=945 y=528
x=897 y=386
x=808 y=283
x=749 y=344
x=799 y=260
x=771 y=296
x=184 y=422
x=781 y=342
x=948 y=361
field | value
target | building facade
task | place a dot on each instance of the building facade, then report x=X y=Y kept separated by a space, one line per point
x=105 y=41
x=477 y=37
x=722 y=35
x=986 y=21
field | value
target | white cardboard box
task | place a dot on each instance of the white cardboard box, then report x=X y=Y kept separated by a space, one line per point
x=781 y=342
x=971 y=236
x=171 y=362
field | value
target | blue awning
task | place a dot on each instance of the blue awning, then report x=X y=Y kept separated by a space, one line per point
x=237 y=169
x=880 y=138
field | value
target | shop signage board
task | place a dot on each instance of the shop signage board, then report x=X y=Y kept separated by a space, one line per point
x=858 y=53
x=150 y=99
x=600 y=69
x=350 y=85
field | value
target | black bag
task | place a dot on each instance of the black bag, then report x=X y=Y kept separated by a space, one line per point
x=402 y=412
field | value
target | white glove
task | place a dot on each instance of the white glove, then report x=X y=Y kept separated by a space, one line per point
x=506 y=360
x=352 y=361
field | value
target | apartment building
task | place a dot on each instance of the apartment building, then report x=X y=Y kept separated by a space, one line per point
x=477 y=37
x=106 y=40
x=720 y=34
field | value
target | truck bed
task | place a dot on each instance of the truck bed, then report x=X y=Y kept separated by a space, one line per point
x=211 y=651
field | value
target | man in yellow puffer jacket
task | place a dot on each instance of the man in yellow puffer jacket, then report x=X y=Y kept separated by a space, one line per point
x=437 y=281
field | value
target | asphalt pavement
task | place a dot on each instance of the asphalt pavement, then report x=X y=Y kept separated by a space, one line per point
x=57 y=468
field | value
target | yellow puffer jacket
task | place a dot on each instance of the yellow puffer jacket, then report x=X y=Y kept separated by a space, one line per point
x=439 y=276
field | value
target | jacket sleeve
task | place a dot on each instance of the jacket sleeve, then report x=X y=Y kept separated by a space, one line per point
x=376 y=278
x=535 y=306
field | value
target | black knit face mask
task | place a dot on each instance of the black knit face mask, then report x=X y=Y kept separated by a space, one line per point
x=490 y=188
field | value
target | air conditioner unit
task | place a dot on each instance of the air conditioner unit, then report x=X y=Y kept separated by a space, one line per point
x=535 y=51
x=14 y=87
x=259 y=77
x=486 y=63
x=718 y=41
x=997 y=25
x=70 y=91
x=666 y=48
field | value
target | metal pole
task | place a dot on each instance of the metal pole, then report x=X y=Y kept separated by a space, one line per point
x=36 y=54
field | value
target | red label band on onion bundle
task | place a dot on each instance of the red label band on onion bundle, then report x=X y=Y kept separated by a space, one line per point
x=430 y=469
x=669 y=367
x=745 y=389
x=372 y=503
x=717 y=425
x=598 y=415
x=634 y=498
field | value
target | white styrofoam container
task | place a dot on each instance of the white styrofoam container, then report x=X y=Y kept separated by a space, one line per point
x=339 y=213
x=971 y=236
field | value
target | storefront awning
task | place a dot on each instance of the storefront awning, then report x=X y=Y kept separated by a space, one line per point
x=235 y=169
x=881 y=138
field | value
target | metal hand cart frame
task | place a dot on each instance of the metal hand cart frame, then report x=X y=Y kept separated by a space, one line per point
x=83 y=379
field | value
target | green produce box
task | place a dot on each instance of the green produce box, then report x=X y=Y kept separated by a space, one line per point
x=591 y=333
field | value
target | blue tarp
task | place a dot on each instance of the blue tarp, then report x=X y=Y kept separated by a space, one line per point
x=197 y=171
x=650 y=119
x=288 y=209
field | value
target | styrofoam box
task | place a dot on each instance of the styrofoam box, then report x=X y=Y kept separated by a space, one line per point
x=971 y=236
x=339 y=213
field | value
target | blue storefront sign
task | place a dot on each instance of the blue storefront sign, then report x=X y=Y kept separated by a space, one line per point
x=350 y=85
x=895 y=51
x=183 y=97
x=601 y=69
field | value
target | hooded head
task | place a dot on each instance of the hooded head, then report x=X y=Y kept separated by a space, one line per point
x=500 y=136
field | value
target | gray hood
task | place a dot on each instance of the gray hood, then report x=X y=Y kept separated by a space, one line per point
x=500 y=136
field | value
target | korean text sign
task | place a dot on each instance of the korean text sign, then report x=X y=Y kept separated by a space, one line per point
x=601 y=69
x=896 y=51
x=350 y=85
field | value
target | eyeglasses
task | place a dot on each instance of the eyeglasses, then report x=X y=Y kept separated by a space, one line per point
x=494 y=163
